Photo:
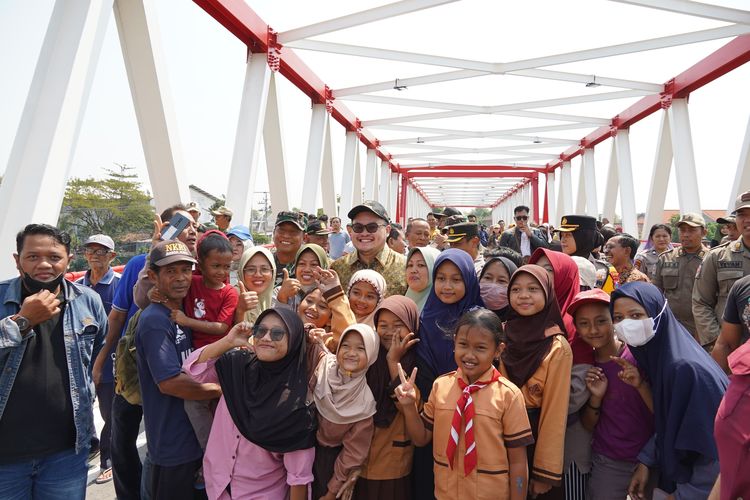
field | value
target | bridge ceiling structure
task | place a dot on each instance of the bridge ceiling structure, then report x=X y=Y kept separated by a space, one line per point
x=456 y=97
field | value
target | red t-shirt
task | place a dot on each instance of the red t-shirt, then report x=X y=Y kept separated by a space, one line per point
x=206 y=304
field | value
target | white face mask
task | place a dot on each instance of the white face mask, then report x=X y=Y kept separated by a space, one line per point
x=638 y=332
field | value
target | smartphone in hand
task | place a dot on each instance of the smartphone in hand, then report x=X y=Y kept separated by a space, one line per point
x=177 y=225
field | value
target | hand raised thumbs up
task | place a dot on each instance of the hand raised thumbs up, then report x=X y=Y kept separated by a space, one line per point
x=289 y=288
x=248 y=300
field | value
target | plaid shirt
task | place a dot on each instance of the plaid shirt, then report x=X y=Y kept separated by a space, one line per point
x=390 y=264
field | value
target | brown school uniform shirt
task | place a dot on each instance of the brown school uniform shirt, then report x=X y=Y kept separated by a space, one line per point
x=549 y=389
x=391 y=452
x=500 y=422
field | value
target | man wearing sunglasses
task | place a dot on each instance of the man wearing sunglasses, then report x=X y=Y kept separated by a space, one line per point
x=522 y=238
x=370 y=229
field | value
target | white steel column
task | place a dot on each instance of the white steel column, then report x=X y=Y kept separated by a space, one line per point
x=393 y=196
x=315 y=147
x=274 y=146
x=611 y=189
x=347 y=172
x=684 y=159
x=589 y=182
x=141 y=50
x=34 y=183
x=659 y=177
x=627 y=188
x=248 y=139
x=371 y=174
x=742 y=176
x=566 y=188
x=581 y=193
x=357 y=189
x=327 y=187
x=384 y=190
x=551 y=201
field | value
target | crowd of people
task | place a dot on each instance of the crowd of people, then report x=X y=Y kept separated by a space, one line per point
x=368 y=360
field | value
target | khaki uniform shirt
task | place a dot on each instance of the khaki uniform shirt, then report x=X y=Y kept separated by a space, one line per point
x=675 y=275
x=721 y=267
x=391 y=265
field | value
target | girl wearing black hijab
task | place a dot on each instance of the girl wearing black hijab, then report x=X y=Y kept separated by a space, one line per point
x=687 y=389
x=263 y=433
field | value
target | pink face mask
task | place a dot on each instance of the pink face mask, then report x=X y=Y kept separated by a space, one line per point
x=494 y=295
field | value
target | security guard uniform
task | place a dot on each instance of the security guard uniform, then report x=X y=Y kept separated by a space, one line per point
x=675 y=275
x=721 y=267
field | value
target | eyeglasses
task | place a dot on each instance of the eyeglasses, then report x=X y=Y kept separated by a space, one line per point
x=264 y=271
x=371 y=227
x=521 y=217
x=99 y=252
x=260 y=331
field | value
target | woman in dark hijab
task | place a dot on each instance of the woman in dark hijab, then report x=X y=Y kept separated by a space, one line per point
x=263 y=420
x=687 y=388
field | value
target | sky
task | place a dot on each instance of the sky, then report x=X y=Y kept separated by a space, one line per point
x=205 y=70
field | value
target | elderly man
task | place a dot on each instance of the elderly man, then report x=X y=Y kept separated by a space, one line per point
x=370 y=228
x=620 y=251
x=99 y=251
x=50 y=331
x=418 y=233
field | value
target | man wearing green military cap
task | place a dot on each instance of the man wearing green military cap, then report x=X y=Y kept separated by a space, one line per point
x=288 y=235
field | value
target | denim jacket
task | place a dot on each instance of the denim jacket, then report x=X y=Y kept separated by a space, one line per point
x=84 y=329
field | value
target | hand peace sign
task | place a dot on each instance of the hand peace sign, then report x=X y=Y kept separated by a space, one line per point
x=406 y=392
x=629 y=373
x=326 y=278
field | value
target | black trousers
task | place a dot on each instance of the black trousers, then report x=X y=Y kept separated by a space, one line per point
x=105 y=392
x=168 y=483
x=126 y=463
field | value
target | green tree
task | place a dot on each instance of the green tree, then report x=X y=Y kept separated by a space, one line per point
x=116 y=205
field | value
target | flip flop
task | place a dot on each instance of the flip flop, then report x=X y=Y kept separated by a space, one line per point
x=105 y=476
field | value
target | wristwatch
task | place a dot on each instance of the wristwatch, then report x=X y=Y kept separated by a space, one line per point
x=23 y=323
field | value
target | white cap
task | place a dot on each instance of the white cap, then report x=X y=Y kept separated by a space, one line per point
x=101 y=239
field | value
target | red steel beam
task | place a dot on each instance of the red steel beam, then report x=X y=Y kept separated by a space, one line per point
x=722 y=61
x=473 y=175
x=507 y=168
x=535 y=197
x=242 y=21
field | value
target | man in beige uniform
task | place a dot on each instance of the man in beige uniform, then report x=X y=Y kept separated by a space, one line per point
x=721 y=267
x=676 y=269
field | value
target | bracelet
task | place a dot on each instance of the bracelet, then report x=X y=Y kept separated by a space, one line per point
x=595 y=408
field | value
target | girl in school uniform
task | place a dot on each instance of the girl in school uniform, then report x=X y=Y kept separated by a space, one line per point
x=475 y=418
x=455 y=290
x=386 y=472
x=345 y=409
x=538 y=359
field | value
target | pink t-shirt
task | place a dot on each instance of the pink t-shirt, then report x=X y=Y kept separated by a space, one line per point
x=625 y=422
x=206 y=304
x=231 y=459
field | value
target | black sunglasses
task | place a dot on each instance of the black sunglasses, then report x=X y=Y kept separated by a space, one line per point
x=522 y=217
x=260 y=331
x=371 y=227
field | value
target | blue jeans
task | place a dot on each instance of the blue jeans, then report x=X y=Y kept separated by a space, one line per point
x=60 y=476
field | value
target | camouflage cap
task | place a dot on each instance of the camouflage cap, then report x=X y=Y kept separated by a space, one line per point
x=296 y=218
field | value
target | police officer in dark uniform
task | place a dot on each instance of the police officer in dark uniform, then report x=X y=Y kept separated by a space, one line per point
x=579 y=236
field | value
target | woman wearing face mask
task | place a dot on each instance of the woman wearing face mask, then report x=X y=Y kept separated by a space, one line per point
x=687 y=389
x=493 y=284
